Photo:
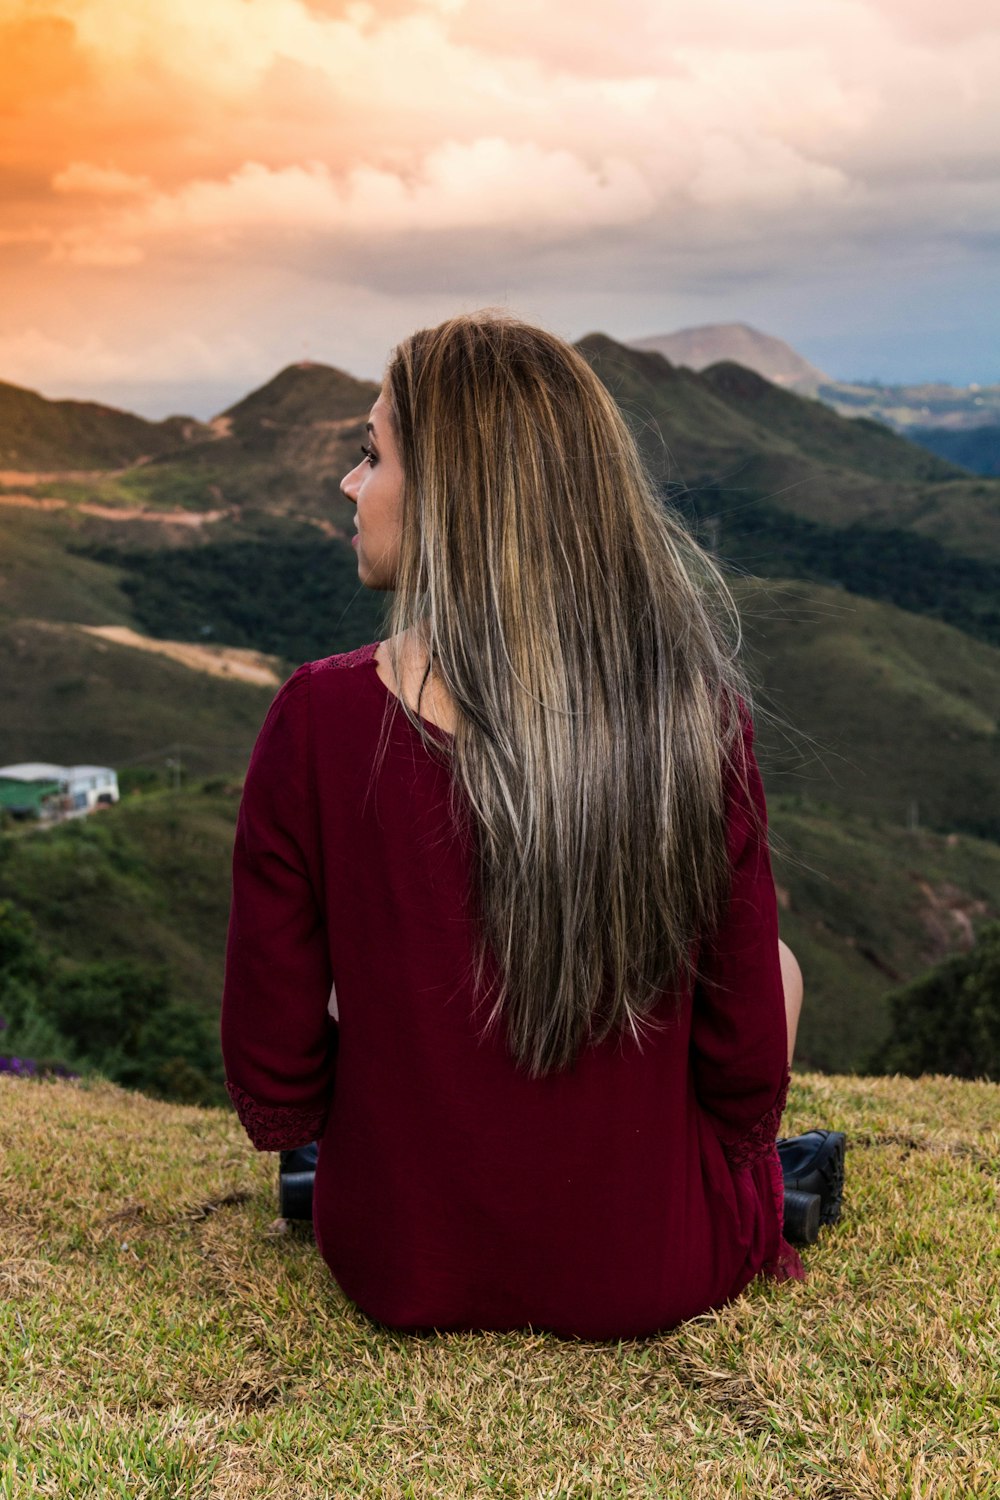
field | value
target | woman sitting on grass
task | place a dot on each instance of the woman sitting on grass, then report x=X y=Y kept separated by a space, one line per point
x=537 y=795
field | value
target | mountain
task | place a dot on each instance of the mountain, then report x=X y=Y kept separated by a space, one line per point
x=859 y=445
x=696 y=348
x=742 y=443
x=958 y=423
x=282 y=449
x=38 y=434
x=877 y=725
x=304 y=394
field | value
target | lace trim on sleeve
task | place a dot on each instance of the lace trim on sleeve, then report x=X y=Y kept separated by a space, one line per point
x=757 y=1142
x=786 y=1263
x=277 y=1127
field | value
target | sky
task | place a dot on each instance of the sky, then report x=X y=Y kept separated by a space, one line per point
x=196 y=193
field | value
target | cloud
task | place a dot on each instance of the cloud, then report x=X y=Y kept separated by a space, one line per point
x=31 y=356
x=100 y=182
x=486 y=184
x=484 y=147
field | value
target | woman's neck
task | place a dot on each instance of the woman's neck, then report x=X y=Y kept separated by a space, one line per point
x=435 y=701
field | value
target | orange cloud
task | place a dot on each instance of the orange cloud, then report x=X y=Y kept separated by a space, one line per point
x=446 y=144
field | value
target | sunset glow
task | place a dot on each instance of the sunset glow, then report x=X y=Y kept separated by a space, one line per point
x=197 y=193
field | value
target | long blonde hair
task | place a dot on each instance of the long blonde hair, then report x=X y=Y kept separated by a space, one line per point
x=590 y=647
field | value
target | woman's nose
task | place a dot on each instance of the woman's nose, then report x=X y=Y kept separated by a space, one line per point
x=345 y=484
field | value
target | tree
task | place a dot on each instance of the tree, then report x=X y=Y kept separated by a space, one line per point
x=948 y=1021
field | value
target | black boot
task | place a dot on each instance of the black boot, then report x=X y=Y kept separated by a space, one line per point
x=814 y=1163
x=802 y=1212
x=296 y=1174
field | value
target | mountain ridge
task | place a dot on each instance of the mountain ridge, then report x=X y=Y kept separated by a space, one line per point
x=708 y=343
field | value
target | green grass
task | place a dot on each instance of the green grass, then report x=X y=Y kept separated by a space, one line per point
x=163 y=1337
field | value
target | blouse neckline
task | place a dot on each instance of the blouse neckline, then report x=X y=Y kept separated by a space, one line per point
x=390 y=692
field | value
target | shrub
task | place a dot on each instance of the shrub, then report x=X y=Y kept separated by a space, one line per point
x=948 y=1021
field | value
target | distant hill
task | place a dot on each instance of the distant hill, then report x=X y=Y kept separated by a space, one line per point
x=860 y=445
x=697 y=348
x=958 y=423
x=38 y=434
x=751 y=444
x=300 y=395
x=283 y=448
x=913 y=409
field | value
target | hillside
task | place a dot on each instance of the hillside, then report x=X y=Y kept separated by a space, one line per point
x=39 y=434
x=863 y=446
x=747 y=446
x=711 y=342
x=864 y=903
x=74 y=698
x=873 y=708
x=161 y=1335
x=945 y=419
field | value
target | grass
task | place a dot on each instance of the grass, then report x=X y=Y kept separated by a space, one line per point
x=162 y=1338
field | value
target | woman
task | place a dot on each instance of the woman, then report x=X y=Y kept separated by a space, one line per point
x=520 y=847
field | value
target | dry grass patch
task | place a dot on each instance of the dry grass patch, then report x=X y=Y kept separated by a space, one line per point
x=161 y=1339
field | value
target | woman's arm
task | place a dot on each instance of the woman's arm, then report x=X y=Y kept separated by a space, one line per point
x=739 y=1040
x=279 y=1041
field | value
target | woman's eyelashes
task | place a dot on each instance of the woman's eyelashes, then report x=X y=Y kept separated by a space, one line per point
x=370 y=454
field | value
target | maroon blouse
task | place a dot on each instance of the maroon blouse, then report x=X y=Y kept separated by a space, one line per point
x=452 y=1192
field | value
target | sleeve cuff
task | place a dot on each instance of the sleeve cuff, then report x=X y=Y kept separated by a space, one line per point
x=277 y=1127
x=753 y=1144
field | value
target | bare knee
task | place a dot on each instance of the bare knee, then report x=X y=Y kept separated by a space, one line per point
x=791 y=978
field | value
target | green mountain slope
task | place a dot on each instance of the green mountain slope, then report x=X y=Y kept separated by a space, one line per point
x=874 y=709
x=36 y=433
x=75 y=699
x=858 y=444
x=862 y=906
x=298 y=395
x=750 y=444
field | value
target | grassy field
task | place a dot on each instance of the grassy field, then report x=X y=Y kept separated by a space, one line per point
x=164 y=1336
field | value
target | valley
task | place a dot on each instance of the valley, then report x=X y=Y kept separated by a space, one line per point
x=150 y=605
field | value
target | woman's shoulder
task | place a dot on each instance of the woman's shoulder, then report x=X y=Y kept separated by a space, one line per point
x=340 y=662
